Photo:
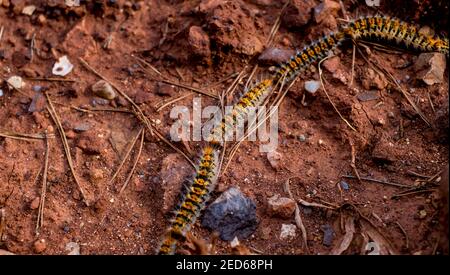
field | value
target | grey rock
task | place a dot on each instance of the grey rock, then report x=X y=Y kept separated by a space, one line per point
x=312 y=86
x=328 y=235
x=232 y=215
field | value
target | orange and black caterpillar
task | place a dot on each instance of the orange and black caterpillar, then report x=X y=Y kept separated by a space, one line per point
x=252 y=98
x=194 y=200
x=365 y=28
x=394 y=30
x=303 y=59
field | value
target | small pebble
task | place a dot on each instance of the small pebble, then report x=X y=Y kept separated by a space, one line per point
x=274 y=158
x=422 y=214
x=96 y=174
x=1 y=92
x=16 y=82
x=234 y=242
x=35 y=203
x=287 y=231
x=312 y=86
x=302 y=138
x=37 y=88
x=40 y=246
x=73 y=248
x=345 y=185
x=29 y=10
x=104 y=90
x=62 y=67
x=82 y=127
x=328 y=235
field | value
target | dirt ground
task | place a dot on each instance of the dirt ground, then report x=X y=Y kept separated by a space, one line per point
x=199 y=44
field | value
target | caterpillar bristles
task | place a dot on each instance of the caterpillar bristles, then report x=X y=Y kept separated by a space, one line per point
x=251 y=98
x=198 y=191
x=193 y=201
x=393 y=30
x=310 y=54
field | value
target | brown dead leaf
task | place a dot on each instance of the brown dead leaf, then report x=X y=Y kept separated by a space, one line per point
x=380 y=241
x=348 y=237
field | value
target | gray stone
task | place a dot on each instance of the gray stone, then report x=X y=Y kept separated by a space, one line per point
x=312 y=86
x=232 y=215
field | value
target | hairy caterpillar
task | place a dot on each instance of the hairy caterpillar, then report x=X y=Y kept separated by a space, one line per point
x=301 y=61
x=195 y=198
x=371 y=27
x=252 y=98
x=397 y=31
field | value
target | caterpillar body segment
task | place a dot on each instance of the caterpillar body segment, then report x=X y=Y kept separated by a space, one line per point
x=193 y=201
x=395 y=31
x=310 y=54
x=252 y=98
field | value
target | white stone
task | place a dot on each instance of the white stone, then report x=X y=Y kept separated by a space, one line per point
x=287 y=231
x=312 y=86
x=16 y=82
x=62 y=67
x=28 y=10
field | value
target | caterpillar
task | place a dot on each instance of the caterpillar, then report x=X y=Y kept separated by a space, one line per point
x=371 y=27
x=252 y=98
x=316 y=51
x=394 y=30
x=195 y=198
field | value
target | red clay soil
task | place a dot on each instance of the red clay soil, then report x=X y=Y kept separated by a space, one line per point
x=199 y=43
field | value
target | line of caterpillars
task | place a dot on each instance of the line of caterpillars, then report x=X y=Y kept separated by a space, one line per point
x=367 y=28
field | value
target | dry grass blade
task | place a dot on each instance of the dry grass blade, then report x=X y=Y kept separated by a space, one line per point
x=378 y=181
x=230 y=90
x=298 y=217
x=250 y=77
x=57 y=121
x=142 y=133
x=51 y=79
x=200 y=91
x=40 y=217
x=348 y=237
x=276 y=25
x=99 y=109
x=404 y=233
x=125 y=157
x=149 y=65
x=353 y=65
x=431 y=102
x=23 y=136
x=222 y=80
x=326 y=93
x=1 y=32
x=353 y=161
x=144 y=120
x=412 y=192
x=314 y=204
x=163 y=104
x=168 y=81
